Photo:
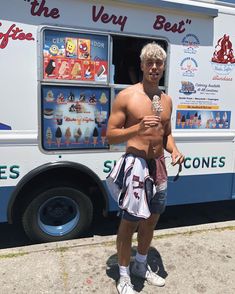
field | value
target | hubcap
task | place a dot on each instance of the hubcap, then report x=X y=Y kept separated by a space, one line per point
x=58 y=216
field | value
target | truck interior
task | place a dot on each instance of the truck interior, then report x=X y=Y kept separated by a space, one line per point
x=126 y=60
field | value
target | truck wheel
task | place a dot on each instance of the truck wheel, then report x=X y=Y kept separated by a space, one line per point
x=57 y=214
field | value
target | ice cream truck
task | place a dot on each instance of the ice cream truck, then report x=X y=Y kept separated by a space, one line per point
x=62 y=64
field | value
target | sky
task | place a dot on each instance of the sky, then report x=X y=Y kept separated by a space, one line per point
x=230 y=1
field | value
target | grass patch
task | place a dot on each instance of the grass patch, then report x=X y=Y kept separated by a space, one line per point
x=61 y=249
x=189 y=233
x=12 y=255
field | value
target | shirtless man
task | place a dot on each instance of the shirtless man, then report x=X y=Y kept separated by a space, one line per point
x=147 y=133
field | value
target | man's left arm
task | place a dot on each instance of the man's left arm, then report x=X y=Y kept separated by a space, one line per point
x=170 y=146
x=169 y=141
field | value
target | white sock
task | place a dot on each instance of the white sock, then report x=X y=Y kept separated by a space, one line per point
x=124 y=271
x=140 y=257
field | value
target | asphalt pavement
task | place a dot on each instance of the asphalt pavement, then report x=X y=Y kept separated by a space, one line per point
x=193 y=259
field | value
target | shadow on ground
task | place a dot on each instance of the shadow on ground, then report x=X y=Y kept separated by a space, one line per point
x=154 y=260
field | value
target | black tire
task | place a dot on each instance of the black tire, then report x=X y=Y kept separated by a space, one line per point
x=57 y=214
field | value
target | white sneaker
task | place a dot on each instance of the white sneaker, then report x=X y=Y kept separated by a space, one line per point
x=124 y=285
x=143 y=270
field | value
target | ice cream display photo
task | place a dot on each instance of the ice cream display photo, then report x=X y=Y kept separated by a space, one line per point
x=202 y=119
x=75 y=97
x=76 y=118
x=75 y=56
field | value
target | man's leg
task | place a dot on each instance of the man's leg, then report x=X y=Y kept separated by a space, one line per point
x=140 y=267
x=145 y=233
x=124 y=240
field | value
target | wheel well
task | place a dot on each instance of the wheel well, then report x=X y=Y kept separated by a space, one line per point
x=55 y=177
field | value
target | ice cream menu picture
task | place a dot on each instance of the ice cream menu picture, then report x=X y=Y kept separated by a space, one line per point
x=74 y=117
x=195 y=119
x=75 y=56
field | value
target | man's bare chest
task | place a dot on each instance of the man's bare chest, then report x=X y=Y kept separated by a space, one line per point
x=137 y=109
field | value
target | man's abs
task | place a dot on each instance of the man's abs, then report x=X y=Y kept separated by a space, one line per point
x=145 y=146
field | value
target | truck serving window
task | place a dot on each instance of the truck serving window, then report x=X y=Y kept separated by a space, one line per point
x=126 y=59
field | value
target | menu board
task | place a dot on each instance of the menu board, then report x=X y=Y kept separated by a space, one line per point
x=75 y=56
x=74 y=117
x=203 y=83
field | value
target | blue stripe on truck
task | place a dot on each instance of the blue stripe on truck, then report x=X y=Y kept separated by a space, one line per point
x=197 y=189
x=200 y=188
x=5 y=195
x=188 y=189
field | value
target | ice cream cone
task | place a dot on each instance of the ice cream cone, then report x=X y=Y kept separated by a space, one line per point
x=49 y=142
x=95 y=135
x=103 y=139
x=199 y=121
x=67 y=136
x=187 y=119
x=183 y=121
x=58 y=141
x=86 y=140
x=221 y=124
x=217 y=118
x=191 y=121
x=156 y=105
x=49 y=136
x=87 y=135
x=67 y=142
x=178 y=119
x=103 y=135
x=225 y=116
x=94 y=141
x=77 y=134
x=195 y=119
x=58 y=135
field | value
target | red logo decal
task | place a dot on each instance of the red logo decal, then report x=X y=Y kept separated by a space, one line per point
x=39 y=9
x=106 y=18
x=161 y=23
x=14 y=33
x=223 y=51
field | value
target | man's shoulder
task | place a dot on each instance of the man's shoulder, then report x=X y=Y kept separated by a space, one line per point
x=129 y=91
x=166 y=97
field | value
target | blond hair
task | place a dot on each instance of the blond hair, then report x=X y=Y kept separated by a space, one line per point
x=152 y=51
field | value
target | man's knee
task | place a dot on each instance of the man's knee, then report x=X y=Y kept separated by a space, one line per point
x=150 y=222
x=127 y=227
